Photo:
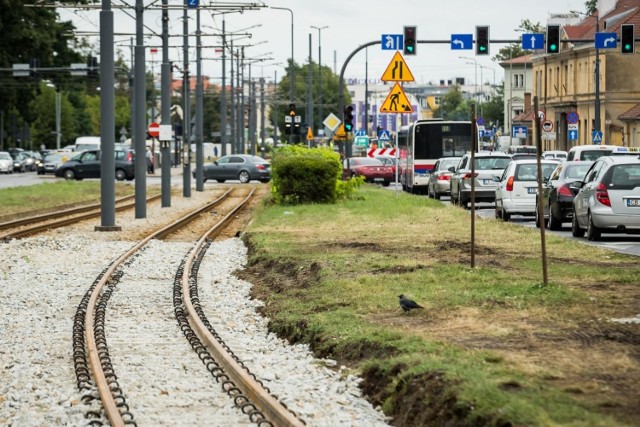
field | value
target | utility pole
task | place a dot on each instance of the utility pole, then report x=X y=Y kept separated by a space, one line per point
x=140 y=114
x=199 y=106
x=186 y=120
x=165 y=99
x=223 y=95
x=263 y=128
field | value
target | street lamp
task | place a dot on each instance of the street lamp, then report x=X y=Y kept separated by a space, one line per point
x=475 y=62
x=291 y=67
x=319 y=76
x=596 y=106
x=58 y=102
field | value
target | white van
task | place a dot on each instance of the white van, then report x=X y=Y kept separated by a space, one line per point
x=589 y=152
x=87 y=143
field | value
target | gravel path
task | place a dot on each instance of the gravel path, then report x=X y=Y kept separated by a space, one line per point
x=42 y=280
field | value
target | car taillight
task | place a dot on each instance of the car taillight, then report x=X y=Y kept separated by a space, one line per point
x=444 y=177
x=470 y=175
x=260 y=167
x=129 y=157
x=564 y=190
x=602 y=195
x=510 y=184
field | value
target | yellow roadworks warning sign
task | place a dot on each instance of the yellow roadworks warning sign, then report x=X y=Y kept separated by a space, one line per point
x=396 y=102
x=397 y=70
x=341 y=132
x=309 y=133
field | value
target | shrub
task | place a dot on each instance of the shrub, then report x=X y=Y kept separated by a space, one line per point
x=307 y=175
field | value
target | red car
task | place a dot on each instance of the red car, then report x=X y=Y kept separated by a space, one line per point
x=373 y=170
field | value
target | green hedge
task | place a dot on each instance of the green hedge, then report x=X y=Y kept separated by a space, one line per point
x=308 y=175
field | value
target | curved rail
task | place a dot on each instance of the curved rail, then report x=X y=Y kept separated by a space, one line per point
x=268 y=404
x=106 y=382
x=91 y=213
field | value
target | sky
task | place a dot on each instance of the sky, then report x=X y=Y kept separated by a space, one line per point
x=349 y=24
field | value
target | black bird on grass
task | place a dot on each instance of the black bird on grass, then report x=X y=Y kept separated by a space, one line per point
x=407 y=304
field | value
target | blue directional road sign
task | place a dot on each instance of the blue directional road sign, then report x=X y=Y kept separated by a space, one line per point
x=480 y=121
x=533 y=41
x=606 y=40
x=573 y=135
x=360 y=132
x=596 y=136
x=193 y=3
x=392 y=42
x=461 y=41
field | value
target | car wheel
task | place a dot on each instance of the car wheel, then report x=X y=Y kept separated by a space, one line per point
x=244 y=177
x=537 y=216
x=555 y=221
x=506 y=216
x=436 y=196
x=593 y=232
x=69 y=174
x=497 y=213
x=576 y=231
x=120 y=175
x=384 y=183
x=220 y=180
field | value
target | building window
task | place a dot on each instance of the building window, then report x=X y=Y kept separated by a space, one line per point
x=518 y=80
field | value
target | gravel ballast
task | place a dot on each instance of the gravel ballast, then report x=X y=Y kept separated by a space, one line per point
x=43 y=279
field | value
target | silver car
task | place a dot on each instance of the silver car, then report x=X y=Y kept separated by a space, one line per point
x=608 y=200
x=6 y=162
x=488 y=166
x=440 y=178
x=240 y=167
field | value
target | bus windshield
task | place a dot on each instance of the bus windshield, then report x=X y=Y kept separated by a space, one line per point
x=442 y=139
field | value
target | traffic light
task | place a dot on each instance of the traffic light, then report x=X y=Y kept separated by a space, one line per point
x=627 y=38
x=410 y=40
x=292 y=110
x=348 y=118
x=553 y=39
x=92 y=66
x=482 y=40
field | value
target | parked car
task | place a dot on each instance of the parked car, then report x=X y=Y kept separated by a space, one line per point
x=558 y=194
x=589 y=152
x=524 y=156
x=440 y=178
x=488 y=165
x=242 y=167
x=373 y=170
x=608 y=199
x=51 y=162
x=86 y=164
x=518 y=187
x=6 y=162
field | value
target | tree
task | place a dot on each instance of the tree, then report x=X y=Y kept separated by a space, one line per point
x=453 y=106
x=30 y=32
x=44 y=126
x=330 y=83
x=493 y=110
x=515 y=50
x=591 y=6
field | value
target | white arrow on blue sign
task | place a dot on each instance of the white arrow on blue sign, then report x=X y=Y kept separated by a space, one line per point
x=193 y=3
x=573 y=135
x=392 y=42
x=461 y=41
x=533 y=41
x=606 y=40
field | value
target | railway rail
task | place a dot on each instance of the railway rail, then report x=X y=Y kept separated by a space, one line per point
x=24 y=227
x=92 y=361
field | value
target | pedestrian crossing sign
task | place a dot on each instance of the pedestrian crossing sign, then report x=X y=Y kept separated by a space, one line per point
x=396 y=102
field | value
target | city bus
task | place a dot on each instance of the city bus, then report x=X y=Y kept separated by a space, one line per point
x=422 y=143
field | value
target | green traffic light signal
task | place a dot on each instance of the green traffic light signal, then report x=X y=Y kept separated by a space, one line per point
x=553 y=48
x=627 y=38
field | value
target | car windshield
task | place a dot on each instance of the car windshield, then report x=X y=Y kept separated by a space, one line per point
x=489 y=163
x=577 y=171
x=53 y=157
x=5 y=156
x=366 y=161
x=446 y=164
x=594 y=154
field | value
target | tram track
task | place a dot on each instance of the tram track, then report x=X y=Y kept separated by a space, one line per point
x=24 y=227
x=95 y=373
